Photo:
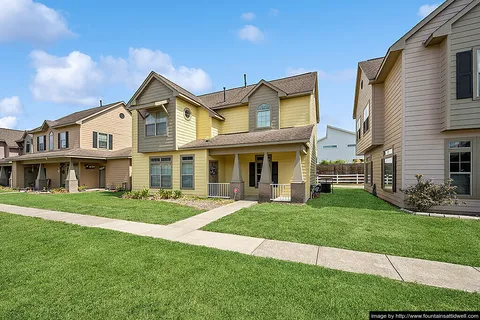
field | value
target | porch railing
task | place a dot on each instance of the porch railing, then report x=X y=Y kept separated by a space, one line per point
x=219 y=190
x=281 y=192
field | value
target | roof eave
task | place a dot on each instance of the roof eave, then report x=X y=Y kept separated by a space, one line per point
x=247 y=144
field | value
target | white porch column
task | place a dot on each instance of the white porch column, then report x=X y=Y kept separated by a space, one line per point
x=71 y=183
x=297 y=186
x=3 y=177
x=41 y=181
x=264 y=185
x=237 y=183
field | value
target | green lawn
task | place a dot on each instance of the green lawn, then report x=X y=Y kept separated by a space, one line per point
x=51 y=270
x=354 y=219
x=104 y=204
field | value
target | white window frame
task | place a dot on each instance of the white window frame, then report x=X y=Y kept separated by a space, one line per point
x=359 y=128
x=460 y=150
x=106 y=140
x=63 y=140
x=388 y=155
x=263 y=110
x=159 y=117
x=476 y=73
x=164 y=161
x=41 y=145
x=51 y=141
x=366 y=118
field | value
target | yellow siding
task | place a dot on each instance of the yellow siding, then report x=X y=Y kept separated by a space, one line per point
x=73 y=137
x=186 y=130
x=215 y=127
x=110 y=123
x=119 y=171
x=295 y=112
x=204 y=124
x=236 y=120
x=313 y=109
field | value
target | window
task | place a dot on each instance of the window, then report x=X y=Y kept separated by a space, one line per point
x=161 y=172
x=263 y=116
x=121 y=115
x=41 y=143
x=361 y=84
x=366 y=117
x=460 y=166
x=27 y=146
x=388 y=170
x=359 y=126
x=156 y=124
x=351 y=145
x=187 y=113
x=334 y=146
x=186 y=172
x=102 y=140
x=63 y=140
x=464 y=74
x=50 y=141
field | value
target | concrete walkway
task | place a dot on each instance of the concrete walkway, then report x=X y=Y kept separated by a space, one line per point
x=432 y=273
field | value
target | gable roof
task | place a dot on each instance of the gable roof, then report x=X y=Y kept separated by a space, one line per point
x=371 y=67
x=329 y=127
x=293 y=85
x=76 y=117
x=10 y=136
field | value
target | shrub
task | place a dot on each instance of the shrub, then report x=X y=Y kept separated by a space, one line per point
x=58 y=190
x=119 y=188
x=426 y=194
x=82 y=188
x=137 y=194
x=165 y=194
x=177 y=194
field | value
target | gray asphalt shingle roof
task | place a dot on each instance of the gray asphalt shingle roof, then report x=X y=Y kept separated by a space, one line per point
x=10 y=136
x=371 y=67
x=75 y=153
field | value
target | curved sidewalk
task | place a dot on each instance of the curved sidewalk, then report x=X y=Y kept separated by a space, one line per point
x=432 y=273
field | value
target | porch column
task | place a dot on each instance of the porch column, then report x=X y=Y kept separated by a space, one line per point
x=237 y=182
x=297 y=185
x=3 y=177
x=264 y=186
x=41 y=181
x=71 y=183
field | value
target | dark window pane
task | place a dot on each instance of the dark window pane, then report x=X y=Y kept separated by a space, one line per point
x=155 y=180
x=465 y=156
x=454 y=167
x=465 y=167
x=166 y=181
x=187 y=181
x=161 y=129
x=462 y=182
x=454 y=157
x=150 y=129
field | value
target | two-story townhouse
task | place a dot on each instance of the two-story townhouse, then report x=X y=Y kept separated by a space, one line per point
x=253 y=141
x=90 y=148
x=418 y=108
x=9 y=147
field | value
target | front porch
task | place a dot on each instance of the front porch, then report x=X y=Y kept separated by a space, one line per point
x=245 y=175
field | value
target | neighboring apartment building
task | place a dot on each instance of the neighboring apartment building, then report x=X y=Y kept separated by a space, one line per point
x=9 y=147
x=418 y=108
x=90 y=148
x=338 y=144
x=252 y=141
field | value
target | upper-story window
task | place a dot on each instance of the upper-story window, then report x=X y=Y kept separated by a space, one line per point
x=62 y=140
x=359 y=127
x=263 y=116
x=28 y=146
x=102 y=140
x=50 y=141
x=366 y=117
x=156 y=124
x=41 y=143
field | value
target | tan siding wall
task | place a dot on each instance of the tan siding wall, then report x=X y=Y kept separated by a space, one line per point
x=53 y=173
x=464 y=113
x=88 y=177
x=186 y=130
x=295 y=112
x=263 y=95
x=443 y=65
x=236 y=120
x=119 y=171
x=110 y=123
x=364 y=97
x=156 y=91
x=73 y=137
x=378 y=113
x=18 y=175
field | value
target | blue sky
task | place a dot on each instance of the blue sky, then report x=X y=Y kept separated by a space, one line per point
x=58 y=57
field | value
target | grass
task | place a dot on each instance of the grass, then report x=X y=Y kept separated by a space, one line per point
x=354 y=219
x=104 y=204
x=51 y=270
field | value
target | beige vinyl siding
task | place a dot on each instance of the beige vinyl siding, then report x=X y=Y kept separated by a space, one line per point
x=156 y=91
x=263 y=94
x=364 y=97
x=88 y=177
x=378 y=114
x=464 y=113
x=18 y=175
x=109 y=123
x=236 y=120
x=73 y=138
x=186 y=130
x=443 y=65
x=119 y=171
x=295 y=112
x=53 y=173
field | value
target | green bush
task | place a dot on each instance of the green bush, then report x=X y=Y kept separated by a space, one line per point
x=165 y=194
x=426 y=194
x=58 y=190
x=137 y=194
x=177 y=194
x=82 y=188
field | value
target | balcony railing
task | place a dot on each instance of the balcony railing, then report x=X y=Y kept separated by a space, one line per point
x=281 y=192
x=219 y=190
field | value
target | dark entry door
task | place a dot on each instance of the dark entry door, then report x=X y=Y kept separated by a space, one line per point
x=101 y=177
x=213 y=168
x=30 y=175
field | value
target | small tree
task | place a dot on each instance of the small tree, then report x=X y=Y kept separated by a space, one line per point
x=426 y=194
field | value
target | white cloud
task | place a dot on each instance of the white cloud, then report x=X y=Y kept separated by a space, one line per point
x=248 y=16
x=295 y=71
x=8 y=122
x=140 y=61
x=26 y=20
x=11 y=106
x=71 y=79
x=251 y=33
x=426 y=9
x=273 y=12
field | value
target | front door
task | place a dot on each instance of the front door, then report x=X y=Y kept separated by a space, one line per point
x=101 y=177
x=213 y=168
x=63 y=173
